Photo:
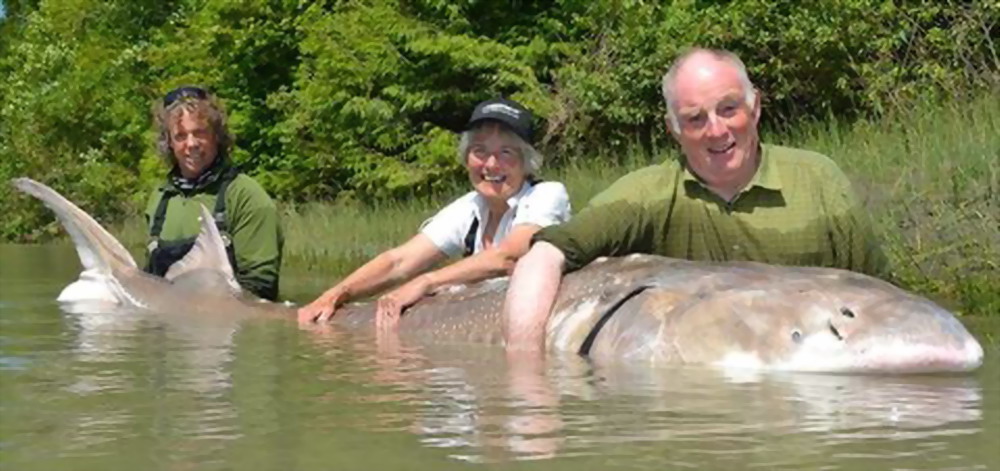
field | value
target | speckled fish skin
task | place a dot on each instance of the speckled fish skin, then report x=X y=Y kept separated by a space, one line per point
x=472 y=314
x=656 y=310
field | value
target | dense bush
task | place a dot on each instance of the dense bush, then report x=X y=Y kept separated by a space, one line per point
x=74 y=84
x=362 y=97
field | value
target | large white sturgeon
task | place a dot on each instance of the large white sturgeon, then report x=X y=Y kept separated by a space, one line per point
x=638 y=309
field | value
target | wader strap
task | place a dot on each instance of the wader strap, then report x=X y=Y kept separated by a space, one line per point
x=470 y=237
x=160 y=214
x=220 y=203
x=153 y=248
x=219 y=214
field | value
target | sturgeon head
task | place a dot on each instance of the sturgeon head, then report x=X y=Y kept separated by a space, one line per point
x=755 y=316
x=110 y=275
x=855 y=323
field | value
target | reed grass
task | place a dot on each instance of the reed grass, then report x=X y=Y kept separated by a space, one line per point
x=930 y=175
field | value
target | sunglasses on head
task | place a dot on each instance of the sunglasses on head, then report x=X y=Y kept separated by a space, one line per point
x=184 y=92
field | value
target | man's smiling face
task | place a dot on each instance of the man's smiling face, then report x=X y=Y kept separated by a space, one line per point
x=717 y=127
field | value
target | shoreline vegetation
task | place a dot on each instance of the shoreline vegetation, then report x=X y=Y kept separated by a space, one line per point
x=347 y=112
x=929 y=174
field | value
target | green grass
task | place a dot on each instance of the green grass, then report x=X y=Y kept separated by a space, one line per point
x=930 y=175
x=931 y=178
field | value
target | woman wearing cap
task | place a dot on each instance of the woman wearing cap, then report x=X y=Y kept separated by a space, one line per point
x=491 y=225
x=195 y=142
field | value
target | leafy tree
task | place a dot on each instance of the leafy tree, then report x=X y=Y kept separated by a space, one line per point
x=363 y=98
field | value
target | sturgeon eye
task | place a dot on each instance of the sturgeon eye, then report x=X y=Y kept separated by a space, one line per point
x=796 y=336
x=847 y=312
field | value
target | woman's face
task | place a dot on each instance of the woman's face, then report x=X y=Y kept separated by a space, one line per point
x=495 y=164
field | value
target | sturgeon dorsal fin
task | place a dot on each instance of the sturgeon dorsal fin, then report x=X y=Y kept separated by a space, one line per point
x=99 y=251
x=208 y=253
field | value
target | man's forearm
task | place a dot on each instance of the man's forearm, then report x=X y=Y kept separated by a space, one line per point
x=530 y=295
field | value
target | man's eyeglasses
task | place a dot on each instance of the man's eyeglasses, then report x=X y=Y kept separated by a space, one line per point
x=184 y=92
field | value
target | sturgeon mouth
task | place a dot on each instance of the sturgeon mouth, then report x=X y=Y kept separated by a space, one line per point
x=898 y=357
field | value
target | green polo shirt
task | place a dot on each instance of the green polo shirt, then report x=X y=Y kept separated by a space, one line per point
x=799 y=209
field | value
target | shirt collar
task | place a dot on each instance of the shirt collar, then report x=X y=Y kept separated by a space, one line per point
x=511 y=202
x=766 y=176
x=208 y=177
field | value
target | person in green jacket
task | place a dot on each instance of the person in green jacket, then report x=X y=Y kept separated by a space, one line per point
x=195 y=142
x=729 y=198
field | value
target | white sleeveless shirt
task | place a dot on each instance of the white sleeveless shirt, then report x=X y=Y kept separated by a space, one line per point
x=542 y=204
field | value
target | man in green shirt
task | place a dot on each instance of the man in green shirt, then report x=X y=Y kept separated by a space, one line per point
x=195 y=142
x=732 y=198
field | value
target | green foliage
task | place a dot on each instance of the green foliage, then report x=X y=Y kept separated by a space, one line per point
x=379 y=95
x=72 y=108
x=82 y=75
x=243 y=51
x=839 y=57
x=931 y=177
x=361 y=99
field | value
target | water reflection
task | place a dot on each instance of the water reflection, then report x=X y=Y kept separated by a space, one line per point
x=477 y=406
x=474 y=401
x=169 y=375
x=131 y=390
x=201 y=347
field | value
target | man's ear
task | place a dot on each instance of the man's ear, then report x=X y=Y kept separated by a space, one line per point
x=669 y=126
x=756 y=106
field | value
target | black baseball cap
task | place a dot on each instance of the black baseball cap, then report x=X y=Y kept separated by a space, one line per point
x=508 y=112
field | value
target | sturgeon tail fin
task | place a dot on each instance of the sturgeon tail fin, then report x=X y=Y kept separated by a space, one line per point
x=99 y=251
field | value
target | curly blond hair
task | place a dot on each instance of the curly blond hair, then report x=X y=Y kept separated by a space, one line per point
x=208 y=108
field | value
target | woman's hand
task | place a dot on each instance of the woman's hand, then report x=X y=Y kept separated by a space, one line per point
x=322 y=309
x=391 y=305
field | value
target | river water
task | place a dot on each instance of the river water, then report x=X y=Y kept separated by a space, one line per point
x=129 y=390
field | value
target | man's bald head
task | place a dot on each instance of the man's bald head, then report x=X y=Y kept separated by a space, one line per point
x=699 y=61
